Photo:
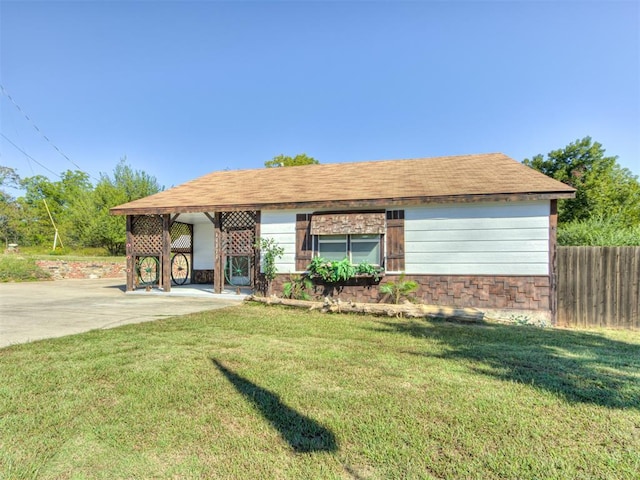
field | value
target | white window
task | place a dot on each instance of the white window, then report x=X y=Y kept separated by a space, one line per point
x=332 y=247
x=365 y=249
x=357 y=248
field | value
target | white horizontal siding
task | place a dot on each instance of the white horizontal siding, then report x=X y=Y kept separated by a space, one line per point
x=490 y=223
x=281 y=226
x=477 y=246
x=469 y=258
x=478 y=239
x=488 y=235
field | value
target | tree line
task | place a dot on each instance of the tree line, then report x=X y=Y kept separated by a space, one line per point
x=74 y=206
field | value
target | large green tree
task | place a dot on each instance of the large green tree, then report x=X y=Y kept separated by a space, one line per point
x=98 y=227
x=286 y=161
x=603 y=188
x=45 y=200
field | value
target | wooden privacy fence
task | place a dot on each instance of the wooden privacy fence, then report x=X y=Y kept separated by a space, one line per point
x=598 y=287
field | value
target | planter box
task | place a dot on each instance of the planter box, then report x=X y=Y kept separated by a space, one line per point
x=357 y=280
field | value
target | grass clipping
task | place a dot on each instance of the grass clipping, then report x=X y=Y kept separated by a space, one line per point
x=408 y=310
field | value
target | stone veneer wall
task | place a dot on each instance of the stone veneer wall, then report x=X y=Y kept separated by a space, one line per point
x=479 y=291
x=66 y=269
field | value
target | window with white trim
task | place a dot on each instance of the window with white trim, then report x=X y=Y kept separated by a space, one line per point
x=365 y=249
x=333 y=247
x=358 y=248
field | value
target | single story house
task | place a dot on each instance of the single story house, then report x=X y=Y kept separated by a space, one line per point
x=472 y=230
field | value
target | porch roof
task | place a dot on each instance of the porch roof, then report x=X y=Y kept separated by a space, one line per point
x=465 y=178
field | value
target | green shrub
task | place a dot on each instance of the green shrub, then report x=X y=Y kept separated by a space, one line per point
x=298 y=287
x=598 y=231
x=400 y=289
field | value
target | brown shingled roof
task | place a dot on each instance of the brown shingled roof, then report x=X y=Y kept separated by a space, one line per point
x=361 y=184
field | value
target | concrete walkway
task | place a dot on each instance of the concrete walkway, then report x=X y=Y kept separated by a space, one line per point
x=36 y=310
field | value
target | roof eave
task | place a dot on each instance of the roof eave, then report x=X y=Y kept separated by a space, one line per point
x=359 y=203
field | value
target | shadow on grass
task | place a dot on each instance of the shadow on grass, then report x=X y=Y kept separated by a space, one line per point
x=579 y=366
x=301 y=432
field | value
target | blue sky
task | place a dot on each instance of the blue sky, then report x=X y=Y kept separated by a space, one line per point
x=186 y=88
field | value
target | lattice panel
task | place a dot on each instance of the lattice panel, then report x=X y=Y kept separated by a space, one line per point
x=240 y=242
x=181 y=237
x=146 y=231
x=239 y=232
x=239 y=220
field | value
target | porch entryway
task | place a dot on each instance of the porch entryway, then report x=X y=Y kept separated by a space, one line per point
x=238 y=238
x=213 y=250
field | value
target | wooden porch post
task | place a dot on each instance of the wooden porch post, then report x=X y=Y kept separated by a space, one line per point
x=131 y=270
x=218 y=273
x=166 y=253
x=256 y=274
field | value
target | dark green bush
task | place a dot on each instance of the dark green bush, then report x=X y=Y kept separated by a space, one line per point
x=598 y=232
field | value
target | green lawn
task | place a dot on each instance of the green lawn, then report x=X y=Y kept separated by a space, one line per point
x=16 y=268
x=44 y=252
x=267 y=392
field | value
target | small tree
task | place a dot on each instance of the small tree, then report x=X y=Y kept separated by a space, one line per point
x=270 y=251
x=400 y=289
x=298 y=287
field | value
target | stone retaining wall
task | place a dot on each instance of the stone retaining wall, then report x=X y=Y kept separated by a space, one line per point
x=72 y=269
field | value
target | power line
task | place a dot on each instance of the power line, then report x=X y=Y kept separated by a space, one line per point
x=33 y=124
x=28 y=156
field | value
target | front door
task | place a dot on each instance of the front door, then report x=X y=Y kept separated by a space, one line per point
x=238 y=271
x=239 y=234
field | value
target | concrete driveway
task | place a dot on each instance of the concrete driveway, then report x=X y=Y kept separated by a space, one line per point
x=36 y=310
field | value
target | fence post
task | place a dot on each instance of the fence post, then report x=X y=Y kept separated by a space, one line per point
x=553 y=260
